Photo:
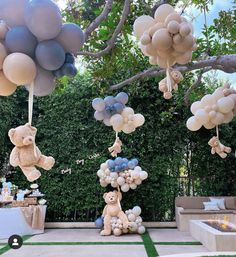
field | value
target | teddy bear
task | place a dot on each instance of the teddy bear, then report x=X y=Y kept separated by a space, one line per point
x=113 y=209
x=115 y=148
x=175 y=78
x=26 y=154
x=217 y=147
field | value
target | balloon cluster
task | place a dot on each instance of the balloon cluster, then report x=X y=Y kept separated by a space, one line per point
x=213 y=109
x=135 y=223
x=120 y=164
x=128 y=178
x=113 y=112
x=167 y=38
x=35 y=46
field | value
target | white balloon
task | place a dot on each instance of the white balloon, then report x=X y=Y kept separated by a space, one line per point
x=218 y=119
x=134 y=174
x=133 y=186
x=228 y=117
x=116 y=120
x=193 y=124
x=114 y=175
x=131 y=217
x=100 y=173
x=225 y=104
x=133 y=226
x=143 y=175
x=125 y=188
x=138 y=181
x=136 y=211
x=162 y=12
x=128 y=128
x=141 y=230
x=127 y=111
x=103 y=166
x=138 y=120
x=195 y=106
x=209 y=125
x=138 y=168
x=107 y=122
x=142 y=24
x=103 y=184
x=121 y=181
x=208 y=100
x=202 y=116
x=218 y=93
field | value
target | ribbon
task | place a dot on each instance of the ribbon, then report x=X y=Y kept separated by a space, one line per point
x=30 y=103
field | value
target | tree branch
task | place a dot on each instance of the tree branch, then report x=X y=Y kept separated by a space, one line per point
x=94 y=24
x=226 y=63
x=111 y=41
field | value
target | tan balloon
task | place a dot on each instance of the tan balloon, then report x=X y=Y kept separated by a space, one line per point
x=3 y=54
x=165 y=54
x=127 y=111
x=218 y=119
x=127 y=129
x=212 y=114
x=162 y=39
x=156 y=27
x=209 y=125
x=195 y=106
x=153 y=60
x=173 y=27
x=207 y=108
x=19 y=69
x=6 y=87
x=193 y=124
x=142 y=24
x=208 y=100
x=151 y=50
x=116 y=120
x=218 y=93
x=185 y=44
x=202 y=116
x=225 y=104
x=228 y=117
x=138 y=120
x=143 y=49
x=177 y=39
x=172 y=17
x=145 y=39
x=184 y=29
x=162 y=62
x=162 y=12
x=167 y=95
x=185 y=58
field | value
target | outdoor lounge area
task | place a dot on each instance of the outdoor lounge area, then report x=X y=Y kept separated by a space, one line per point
x=117 y=128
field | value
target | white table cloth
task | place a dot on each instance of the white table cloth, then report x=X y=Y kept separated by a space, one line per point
x=12 y=221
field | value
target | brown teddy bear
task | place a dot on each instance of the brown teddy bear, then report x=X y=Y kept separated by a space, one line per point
x=26 y=154
x=217 y=147
x=113 y=209
x=115 y=148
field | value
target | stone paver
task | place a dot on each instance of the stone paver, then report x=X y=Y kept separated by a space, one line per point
x=170 y=235
x=200 y=254
x=179 y=249
x=3 y=241
x=79 y=251
x=80 y=235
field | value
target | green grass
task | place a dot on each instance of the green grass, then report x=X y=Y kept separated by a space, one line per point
x=149 y=245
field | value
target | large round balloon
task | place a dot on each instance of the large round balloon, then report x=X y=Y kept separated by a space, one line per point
x=20 y=39
x=3 y=54
x=6 y=86
x=142 y=24
x=50 y=55
x=19 y=68
x=44 y=83
x=12 y=12
x=43 y=19
x=71 y=37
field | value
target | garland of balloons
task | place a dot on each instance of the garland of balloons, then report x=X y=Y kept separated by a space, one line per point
x=211 y=111
x=35 y=46
x=120 y=173
x=166 y=39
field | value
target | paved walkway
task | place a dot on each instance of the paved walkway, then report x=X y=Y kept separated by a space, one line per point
x=88 y=243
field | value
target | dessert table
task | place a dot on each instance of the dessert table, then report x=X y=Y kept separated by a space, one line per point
x=22 y=220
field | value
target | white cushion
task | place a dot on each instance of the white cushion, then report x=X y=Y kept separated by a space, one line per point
x=219 y=201
x=210 y=206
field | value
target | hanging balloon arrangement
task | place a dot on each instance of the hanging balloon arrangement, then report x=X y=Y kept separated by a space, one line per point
x=211 y=111
x=35 y=46
x=166 y=39
x=121 y=173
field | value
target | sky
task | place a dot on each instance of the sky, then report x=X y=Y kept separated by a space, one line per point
x=198 y=24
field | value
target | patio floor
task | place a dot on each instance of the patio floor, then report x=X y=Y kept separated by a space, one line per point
x=88 y=243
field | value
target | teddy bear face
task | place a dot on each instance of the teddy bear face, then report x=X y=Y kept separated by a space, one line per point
x=214 y=142
x=112 y=197
x=177 y=76
x=22 y=135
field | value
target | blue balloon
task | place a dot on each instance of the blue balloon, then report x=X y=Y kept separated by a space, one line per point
x=98 y=104
x=19 y=39
x=118 y=160
x=69 y=69
x=123 y=166
x=99 y=222
x=131 y=165
x=109 y=100
x=135 y=161
x=111 y=163
x=70 y=58
x=112 y=169
x=50 y=55
x=122 y=97
x=125 y=160
x=118 y=107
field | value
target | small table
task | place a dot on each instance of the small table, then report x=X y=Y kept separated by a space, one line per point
x=211 y=238
x=12 y=221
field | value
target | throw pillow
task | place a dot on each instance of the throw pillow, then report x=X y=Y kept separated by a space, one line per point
x=219 y=201
x=210 y=206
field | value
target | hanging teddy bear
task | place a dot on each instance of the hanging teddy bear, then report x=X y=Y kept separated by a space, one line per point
x=217 y=147
x=115 y=148
x=26 y=154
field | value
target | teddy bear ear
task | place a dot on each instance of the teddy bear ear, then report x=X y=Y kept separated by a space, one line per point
x=33 y=129
x=11 y=132
x=104 y=195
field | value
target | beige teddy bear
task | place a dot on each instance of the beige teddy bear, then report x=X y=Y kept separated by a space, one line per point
x=175 y=78
x=26 y=154
x=115 y=148
x=113 y=209
x=217 y=147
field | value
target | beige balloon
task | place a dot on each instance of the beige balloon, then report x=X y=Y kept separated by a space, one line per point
x=195 y=106
x=156 y=27
x=145 y=39
x=162 y=39
x=233 y=97
x=209 y=125
x=162 y=62
x=177 y=39
x=218 y=93
x=202 y=116
x=165 y=54
x=127 y=129
x=6 y=87
x=143 y=49
x=3 y=54
x=212 y=114
x=173 y=27
x=225 y=104
x=127 y=111
x=185 y=44
x=218 y=119
x=142 y=24
x=151 y=50
x=19 y=68
x=153 y=60
x=208 y=100
x=138 y=120
x=172 y=17
x=184 y=29
x=228 y=117
x=185 y=58
x=116 y=120
x=162 y=12
x=193 y=124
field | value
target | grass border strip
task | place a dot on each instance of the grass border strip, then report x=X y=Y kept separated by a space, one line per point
x=149 y=245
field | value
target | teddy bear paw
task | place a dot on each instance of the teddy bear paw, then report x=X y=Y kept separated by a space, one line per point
x=105 y=233
x=33 y=175
x=50 y=161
